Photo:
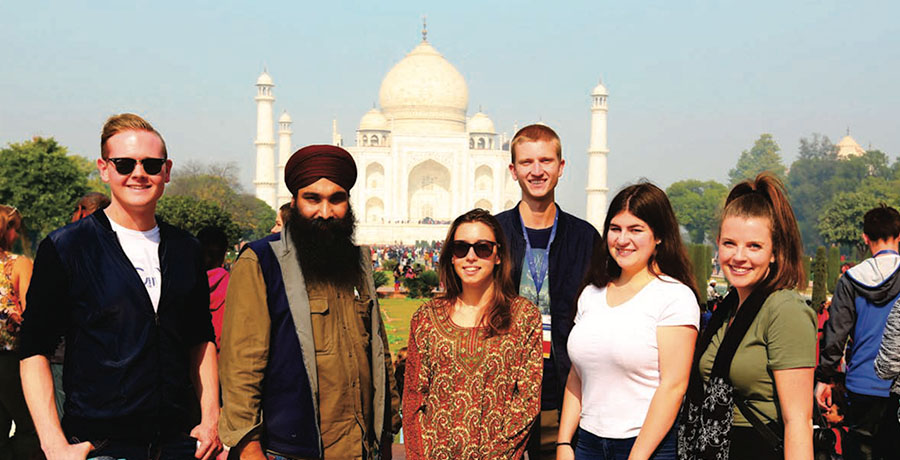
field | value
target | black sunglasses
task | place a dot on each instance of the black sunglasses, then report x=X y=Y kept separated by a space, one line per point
x=125 y=166
x=483 y=248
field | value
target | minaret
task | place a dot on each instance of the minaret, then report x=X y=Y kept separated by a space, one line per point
x=596 y=183
x=284 y=152
x=336 y=138
x=265 y=140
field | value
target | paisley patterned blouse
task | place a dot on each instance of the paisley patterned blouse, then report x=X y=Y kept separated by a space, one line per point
x=467 y=396
x=10 y=315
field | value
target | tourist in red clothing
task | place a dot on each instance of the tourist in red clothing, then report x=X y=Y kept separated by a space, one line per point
x=214 y=244
x=473 y=373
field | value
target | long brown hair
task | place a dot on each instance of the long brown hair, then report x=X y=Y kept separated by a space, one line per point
x=10 y=219
x=765 y=197
x=650 y=204
x=498 y=317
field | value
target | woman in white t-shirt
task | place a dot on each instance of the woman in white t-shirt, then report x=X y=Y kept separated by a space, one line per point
x=634 y=334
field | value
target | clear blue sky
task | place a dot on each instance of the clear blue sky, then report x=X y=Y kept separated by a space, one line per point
x=692 y=84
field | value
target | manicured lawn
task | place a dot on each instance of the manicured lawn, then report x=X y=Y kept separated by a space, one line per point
x=396 y=314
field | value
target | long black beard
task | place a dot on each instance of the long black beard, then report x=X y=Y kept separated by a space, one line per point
x=325 y=248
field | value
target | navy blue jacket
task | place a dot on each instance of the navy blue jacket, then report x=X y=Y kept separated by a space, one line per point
x=288 y=404
x=570 y=257
x=127 y=368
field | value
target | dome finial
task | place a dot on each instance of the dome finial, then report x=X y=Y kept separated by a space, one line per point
x=848 y=130
x=424 y=28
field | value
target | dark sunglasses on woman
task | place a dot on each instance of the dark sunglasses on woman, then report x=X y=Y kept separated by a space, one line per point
x=483 y=248
x=125 y=166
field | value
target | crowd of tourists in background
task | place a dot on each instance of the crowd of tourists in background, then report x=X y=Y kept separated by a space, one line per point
x=129 y=338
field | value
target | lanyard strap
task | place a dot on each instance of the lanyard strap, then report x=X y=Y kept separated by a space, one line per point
x=538 y=271
x=883 y=251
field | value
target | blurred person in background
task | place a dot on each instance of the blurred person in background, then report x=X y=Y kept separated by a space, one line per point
x=15 y=276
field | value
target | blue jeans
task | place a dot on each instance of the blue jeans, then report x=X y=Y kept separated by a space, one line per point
x=593 y=447
x=181 y=448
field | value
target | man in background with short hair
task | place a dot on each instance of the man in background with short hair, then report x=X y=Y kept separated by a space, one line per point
x=862 y=300
x=88 y=204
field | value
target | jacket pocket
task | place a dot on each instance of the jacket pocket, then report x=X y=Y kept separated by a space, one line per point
x=364 y=316
x=323 y=325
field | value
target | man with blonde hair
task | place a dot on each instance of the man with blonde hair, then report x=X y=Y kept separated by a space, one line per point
x=550 y=251
x=130 y=295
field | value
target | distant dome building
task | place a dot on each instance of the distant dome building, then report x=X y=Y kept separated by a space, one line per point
x=848 y=148
x=421 y=162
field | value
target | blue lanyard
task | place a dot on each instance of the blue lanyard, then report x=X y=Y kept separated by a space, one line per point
x=883 y=251
x=538 y=271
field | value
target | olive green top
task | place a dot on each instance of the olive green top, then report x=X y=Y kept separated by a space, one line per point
x=782 y=336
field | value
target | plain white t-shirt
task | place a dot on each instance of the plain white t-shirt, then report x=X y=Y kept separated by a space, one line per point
x=614 y=351
x=142 y=249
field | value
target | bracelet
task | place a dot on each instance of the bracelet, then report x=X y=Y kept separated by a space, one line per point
x=563 y=444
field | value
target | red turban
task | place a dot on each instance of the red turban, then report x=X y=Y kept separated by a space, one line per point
x=315 y=162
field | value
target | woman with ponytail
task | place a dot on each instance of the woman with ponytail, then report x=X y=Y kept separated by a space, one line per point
x=749 y=395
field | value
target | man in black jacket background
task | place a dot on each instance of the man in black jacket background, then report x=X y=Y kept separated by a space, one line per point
x=551 y=251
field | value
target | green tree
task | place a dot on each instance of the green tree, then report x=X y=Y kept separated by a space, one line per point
x=193 y=215
x=701 y=263
x=42 y=181
x=807 y=266
x=834 y=268
x=817 y=148
x=810 y=185
x=380 y=278
x=820 y=274
x=877 y=164
x=92 y=174
x=763 y=156
x=390 y=264
x=422 y=285
x=218 y=184
x=842 y=219
x=696 y=205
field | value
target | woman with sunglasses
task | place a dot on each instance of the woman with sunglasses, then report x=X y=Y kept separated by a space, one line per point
x=15 y=276
x=635 y=328
x=473 y=370
x=749 y=395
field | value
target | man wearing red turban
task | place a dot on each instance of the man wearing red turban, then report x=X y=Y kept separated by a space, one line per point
x=305 y=367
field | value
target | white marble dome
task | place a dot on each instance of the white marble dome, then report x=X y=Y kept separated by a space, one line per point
x=373 y=120
x=265 y=79
x=424 y=93
x=481 y=123
x=600 y=90
x=284 y=118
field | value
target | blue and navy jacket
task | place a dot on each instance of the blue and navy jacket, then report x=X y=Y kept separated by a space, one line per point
x=859 y=309
x=127 y=367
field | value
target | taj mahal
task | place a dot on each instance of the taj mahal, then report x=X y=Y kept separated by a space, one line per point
x=421 y=159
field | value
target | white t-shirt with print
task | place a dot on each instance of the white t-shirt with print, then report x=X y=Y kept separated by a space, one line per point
x=615 y=353
x=142 y=249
